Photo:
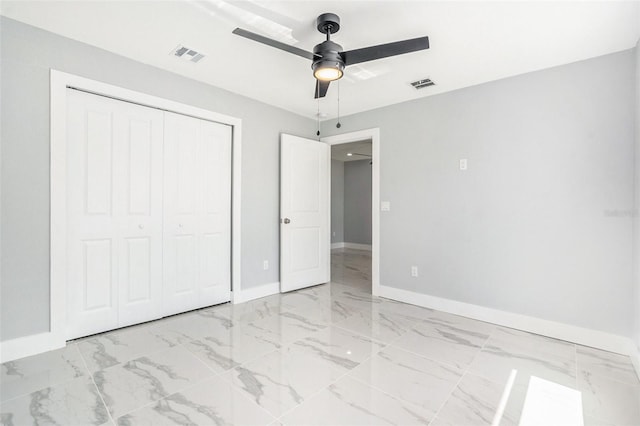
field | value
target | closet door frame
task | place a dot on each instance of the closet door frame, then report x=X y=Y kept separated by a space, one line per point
x=60 y=82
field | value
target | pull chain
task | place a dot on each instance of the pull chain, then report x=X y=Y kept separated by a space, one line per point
x=318 y=113
x=338 y=125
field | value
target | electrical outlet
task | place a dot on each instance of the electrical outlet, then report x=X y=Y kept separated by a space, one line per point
x=265 y=265
x=414 y=271
x=463 y=164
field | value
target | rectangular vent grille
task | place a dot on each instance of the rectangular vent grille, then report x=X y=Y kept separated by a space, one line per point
x=187 y=54
x=421 y=84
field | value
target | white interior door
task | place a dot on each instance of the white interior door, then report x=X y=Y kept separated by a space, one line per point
x=197 y=214
x=304 y=212
x=114 y=216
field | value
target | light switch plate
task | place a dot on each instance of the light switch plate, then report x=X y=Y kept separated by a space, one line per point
x=385 y=206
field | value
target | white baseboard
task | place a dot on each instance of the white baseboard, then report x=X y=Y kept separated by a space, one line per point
x=29 y=345
x=354 y=246
x=255 y=292
x=571 y=333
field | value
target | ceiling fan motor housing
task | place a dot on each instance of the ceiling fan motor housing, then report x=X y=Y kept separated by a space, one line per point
x=330 y=53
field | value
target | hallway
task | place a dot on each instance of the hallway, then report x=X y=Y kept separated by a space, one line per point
x=351 y=267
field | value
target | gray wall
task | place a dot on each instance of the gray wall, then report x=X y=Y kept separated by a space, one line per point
x=357 y=202
x=27 y=54
x=532 y=226
x=337 y=201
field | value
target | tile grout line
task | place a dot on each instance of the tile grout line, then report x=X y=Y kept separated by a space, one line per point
x=464 y=374
x=313 y=395
x=60 y=383
x=84 y=362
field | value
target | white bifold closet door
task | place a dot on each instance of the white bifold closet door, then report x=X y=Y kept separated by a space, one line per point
x=114 y=213
x=148 y=213
x=197 y=209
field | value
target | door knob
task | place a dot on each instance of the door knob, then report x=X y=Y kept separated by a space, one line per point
x=141 y=226
x=287 y=220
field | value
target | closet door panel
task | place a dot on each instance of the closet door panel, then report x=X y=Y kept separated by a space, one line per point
x=196 y=214
x=215 y=217
x=180 y=264
x=140 y=132
x=92 y=219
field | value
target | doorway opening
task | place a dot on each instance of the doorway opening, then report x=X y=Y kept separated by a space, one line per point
x=355 y=194
x=351 y=219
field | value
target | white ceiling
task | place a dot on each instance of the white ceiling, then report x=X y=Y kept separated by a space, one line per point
x=360 y=150
x=472 y=42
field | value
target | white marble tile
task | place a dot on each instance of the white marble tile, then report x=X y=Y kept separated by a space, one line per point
x=211 y=402
x=115 y=347
x=289 y=326
x=238 y=345
x=75 y=402
x=327 y=311
x=606 y=364
x=530 y=354
x=317 y=292
x=258 y=309
x=194 y=325
x=283 y=379
x=609 y=401
x=380 y=325
x=446 y=338
x=353 y=295
x=341 y=347
x=351 y=267
x=405 y=309
x=40 y=371
x=350 y=402
x=305 y=298
x=146 y=379
x=475 y=402
x=409 y=377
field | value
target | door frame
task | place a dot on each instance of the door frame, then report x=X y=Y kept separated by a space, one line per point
x=374 y=135
x=60 y=82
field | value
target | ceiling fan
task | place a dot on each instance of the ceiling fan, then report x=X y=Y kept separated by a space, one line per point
x=329 y=60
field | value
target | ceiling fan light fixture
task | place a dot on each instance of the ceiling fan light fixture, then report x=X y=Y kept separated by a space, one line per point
x=328 y=71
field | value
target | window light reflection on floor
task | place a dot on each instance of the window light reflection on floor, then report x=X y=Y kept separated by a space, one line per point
x=546 y=403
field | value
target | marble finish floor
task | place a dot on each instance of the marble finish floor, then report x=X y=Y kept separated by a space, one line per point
x=328 y=355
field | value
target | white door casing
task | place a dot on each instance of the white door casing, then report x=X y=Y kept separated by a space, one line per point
x=197 y=208
x=304 y=213
x=114 y=214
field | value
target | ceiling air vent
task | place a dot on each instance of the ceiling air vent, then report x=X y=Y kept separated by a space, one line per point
x=421 y=84
x=187 y=54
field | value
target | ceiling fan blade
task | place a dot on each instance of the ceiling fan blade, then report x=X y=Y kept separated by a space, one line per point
x=380 y=51
x=274 y=43
x=321 y=89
